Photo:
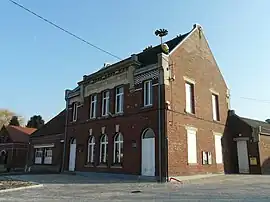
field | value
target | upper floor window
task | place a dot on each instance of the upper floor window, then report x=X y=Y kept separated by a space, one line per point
x=105 y=103
x=74 y=111
x=148 y=91
x=119 y=100
x=93 y=106
x=190 y=101
x=215 y=107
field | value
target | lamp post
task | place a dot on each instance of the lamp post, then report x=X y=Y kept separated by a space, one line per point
x=161 y=33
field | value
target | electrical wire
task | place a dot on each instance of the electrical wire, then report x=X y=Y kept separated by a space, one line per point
x=64 y=30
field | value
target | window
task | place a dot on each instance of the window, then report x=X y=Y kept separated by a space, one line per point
x=74 y=111
x=192 y=146
x=206 y=158
x=218 y=148
x=118 y=149
x=147 y=90
x=103 y=149
x=105 y=103
x=119 y=100
x=38 y=155
x=91 y=150
x=48 y=156
x=190 y=101
x=93 y=106
x=215 y=106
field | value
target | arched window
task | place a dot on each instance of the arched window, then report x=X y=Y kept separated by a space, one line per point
x=103 y=157
x=148 y=133
x=91 y=150
x=118 y=149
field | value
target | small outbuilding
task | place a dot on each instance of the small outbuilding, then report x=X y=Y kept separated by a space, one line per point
x=14 y=143
x=46 y=146
x=249 y=150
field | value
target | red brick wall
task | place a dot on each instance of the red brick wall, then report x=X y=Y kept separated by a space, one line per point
x=194 y=60
x=264 y=146
x=132 y=123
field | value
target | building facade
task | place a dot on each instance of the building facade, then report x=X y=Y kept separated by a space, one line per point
x=14 y=144
x=46 y=146
x=249 y=142
x=152 y=114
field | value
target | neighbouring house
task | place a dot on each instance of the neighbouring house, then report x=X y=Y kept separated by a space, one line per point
x=14 y=143
x=249 y=141
x=153 y=114
x=46 y=146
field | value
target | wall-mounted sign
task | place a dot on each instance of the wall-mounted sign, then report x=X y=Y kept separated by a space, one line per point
x=253 y=160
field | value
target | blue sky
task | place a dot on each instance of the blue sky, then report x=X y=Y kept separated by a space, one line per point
x=38 y=62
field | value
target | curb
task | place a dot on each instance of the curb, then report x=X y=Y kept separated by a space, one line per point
x=21 y=188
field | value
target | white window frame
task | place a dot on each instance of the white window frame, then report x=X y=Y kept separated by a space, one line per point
x=119 y=93
x=192 y=150
x=103 y=141
x=190 y=100
x=38 y=155
x=93 y=106
x=118 y=143
x=91 y=148
x=75 y=111
x=218 y=148
x=105 y=102
x=148 y=93
x=215 y=107
x=48 y=155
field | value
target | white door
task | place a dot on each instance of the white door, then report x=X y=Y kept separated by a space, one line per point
x=72 y=156
x=148 y=157
x=242 y=153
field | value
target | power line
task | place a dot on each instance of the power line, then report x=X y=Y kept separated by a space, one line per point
x=254 y=99
x=64 y=30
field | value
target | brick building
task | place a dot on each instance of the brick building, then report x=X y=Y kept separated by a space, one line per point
x=46 y=146
x=14 y=146
x=153 y=114
x=249 y=142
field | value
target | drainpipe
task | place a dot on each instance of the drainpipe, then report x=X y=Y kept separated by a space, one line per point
x=159 y=124
x=65 y=133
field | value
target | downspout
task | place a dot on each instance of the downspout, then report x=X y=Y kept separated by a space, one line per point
x=65 y=133
x=159 y=123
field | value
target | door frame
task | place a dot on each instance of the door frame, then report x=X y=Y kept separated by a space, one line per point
x=71 y=144
x=147 y=135
x=245 y=140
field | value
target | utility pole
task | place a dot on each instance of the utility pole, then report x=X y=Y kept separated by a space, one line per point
x=161 y=33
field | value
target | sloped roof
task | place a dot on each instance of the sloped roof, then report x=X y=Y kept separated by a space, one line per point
x=20 y=134
x=55 y=126
x=149 y=56
x=256 y=123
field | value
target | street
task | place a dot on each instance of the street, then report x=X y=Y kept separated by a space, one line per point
x=78 y=188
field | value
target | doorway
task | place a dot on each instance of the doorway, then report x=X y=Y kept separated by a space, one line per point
x=148 y=163
x=72 y=155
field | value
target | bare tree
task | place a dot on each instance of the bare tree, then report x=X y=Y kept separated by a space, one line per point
x=6 y=116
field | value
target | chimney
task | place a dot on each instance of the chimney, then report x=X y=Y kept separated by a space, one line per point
x=134 y=57
x=231 y=112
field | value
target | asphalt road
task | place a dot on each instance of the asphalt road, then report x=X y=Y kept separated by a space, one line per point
x=77 y=188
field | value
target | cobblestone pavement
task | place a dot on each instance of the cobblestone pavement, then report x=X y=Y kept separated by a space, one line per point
x=77 y=188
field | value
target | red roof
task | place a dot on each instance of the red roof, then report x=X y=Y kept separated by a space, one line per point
x=20 y=134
